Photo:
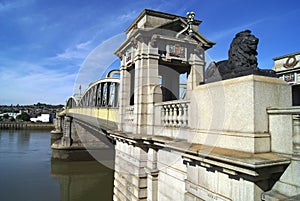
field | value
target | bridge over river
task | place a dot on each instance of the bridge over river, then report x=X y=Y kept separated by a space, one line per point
x=167 y=139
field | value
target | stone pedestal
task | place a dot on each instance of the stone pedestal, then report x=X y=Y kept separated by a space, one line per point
x=233 y=113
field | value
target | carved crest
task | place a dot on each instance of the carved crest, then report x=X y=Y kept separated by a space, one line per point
x=291 y=62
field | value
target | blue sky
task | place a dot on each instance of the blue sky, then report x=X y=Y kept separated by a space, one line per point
x=45 y=43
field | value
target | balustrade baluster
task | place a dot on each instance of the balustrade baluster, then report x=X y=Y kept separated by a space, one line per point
x=180 y=115
x=167 y=115
x=185 y=116
x=174 y=115
x=162 y=115
x=170 y=115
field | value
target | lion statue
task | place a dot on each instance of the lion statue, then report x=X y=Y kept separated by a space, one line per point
x=241 y=60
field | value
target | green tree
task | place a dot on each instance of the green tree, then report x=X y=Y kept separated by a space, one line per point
x=23 y=116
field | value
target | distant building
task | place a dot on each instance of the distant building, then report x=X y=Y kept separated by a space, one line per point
x=288 y=68
x=11 y=114
x=45 y=118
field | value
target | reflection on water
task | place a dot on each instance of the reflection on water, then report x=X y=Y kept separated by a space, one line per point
x=25 y=166
x=28 y=174
x=85 y=180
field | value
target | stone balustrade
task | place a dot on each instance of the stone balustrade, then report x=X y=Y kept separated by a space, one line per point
x=174 y=113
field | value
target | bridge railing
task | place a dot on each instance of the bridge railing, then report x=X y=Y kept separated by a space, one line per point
x=173 y=113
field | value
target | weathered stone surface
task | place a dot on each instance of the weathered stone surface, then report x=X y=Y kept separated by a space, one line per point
x=232 y=113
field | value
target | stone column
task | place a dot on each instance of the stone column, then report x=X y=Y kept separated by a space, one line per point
x=124 y=96
x=130 y=180
x=146 y=75
x=57 y=125
x=151 y=97
x=296 y=136
x=66 y=140
x=57 y=132
x=152 y=175
x=196 y=75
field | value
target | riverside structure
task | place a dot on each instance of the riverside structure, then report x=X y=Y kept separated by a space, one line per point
x=236 y=139
x=26 y=125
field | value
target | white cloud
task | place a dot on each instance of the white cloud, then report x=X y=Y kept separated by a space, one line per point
x=70 y=54
x=77 y=51
x=83 y=45
x=98 y=60
x=30 y=83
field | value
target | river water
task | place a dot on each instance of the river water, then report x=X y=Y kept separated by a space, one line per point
x=27 y=172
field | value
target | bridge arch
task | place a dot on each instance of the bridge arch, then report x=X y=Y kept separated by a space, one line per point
x=102 y=93
x=113 y=73
x=71 y=102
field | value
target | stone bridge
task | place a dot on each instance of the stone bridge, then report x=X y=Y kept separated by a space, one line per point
x=171 y=136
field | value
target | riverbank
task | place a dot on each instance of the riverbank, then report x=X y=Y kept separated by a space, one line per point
x=26 y=126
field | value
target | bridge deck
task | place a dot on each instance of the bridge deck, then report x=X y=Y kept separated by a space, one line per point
x=105 y=118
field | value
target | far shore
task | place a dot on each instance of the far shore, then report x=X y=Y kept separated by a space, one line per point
x=25 y=125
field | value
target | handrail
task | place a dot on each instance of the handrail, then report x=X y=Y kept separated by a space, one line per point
x=284 y=110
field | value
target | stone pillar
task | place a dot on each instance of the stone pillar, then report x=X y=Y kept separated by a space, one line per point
x=152 y=175
x=57 y=121
x=66 y=140
x=296 y=135
x=58 y=124
x=146 y=75
x=130 y=179
x=196 y=75
x=61 y=123
x=58 y=131
x=124 y=95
